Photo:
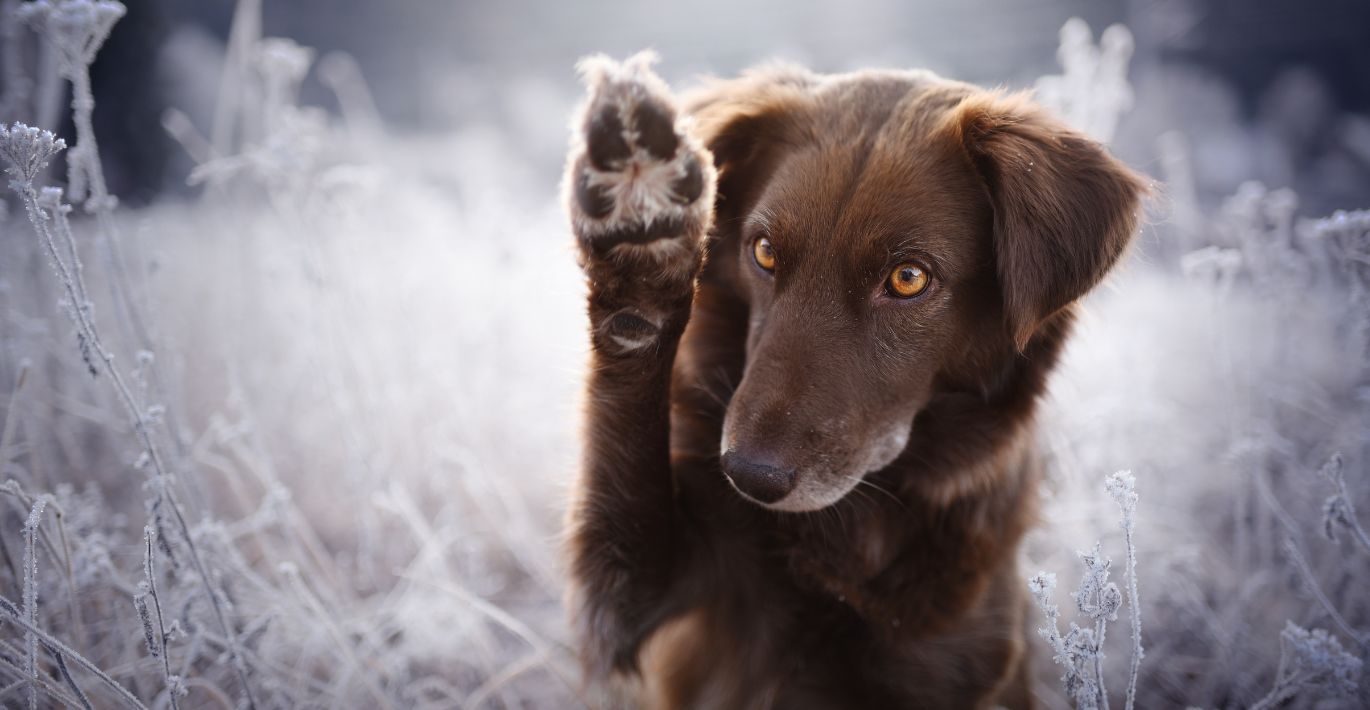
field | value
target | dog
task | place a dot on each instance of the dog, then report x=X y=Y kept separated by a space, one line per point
x=822 y=309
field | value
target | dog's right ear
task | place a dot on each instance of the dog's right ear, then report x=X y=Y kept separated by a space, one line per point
x=744 y=122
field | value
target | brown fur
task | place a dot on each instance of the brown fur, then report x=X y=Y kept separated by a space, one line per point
x=904 y=591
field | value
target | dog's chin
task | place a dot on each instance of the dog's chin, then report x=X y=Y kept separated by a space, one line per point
x=817 y=490
x=811 y=495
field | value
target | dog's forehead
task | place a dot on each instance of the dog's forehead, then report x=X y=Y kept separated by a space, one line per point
x=877 y=177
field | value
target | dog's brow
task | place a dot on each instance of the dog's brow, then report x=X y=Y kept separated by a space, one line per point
x=760 y=220
x=910 y=247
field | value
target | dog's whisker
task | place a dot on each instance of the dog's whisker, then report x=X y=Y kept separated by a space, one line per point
x=872 y=484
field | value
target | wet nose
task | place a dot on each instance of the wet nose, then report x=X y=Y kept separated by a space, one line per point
x=758 y=478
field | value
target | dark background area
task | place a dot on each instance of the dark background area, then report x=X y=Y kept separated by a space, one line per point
x=435 y=66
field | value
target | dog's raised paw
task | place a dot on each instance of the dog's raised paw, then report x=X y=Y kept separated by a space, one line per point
x=636 y=176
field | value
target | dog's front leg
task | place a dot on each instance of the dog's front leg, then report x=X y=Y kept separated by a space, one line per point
x=639 y=191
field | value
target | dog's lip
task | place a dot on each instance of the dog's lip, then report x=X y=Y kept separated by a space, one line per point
x=809 y=498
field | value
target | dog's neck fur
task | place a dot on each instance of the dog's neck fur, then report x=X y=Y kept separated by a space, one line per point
x=963 y=440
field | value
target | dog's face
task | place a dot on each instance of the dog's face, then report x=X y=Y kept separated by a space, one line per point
x=895 y=237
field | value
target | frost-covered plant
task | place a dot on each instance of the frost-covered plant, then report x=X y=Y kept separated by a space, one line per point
x=61 y=653
x=1098 y=599
x=1092 y=91
x=1259 y=222
x=1080 y=652
x=73 y=31
x=77 y=29
x=1344 y=237
x=269 y=574
x=1076 y=652
x=155 y=632
x=31 y=593
x=282 y=141
x=282 y=64
x=1122 y=487
x=26 y=151
x=1301 y=564
x=1311 y=662
x=1338 y=511
x=1214 y=265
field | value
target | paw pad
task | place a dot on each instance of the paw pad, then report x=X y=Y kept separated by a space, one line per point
x=629 y=331
x=655 y=128
x=605 y=141
x=640 y=178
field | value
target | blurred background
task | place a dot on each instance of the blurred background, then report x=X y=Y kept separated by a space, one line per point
x=339 y=287
x=1278 y=90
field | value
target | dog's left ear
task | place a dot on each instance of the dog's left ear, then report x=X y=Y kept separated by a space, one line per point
x=1064 y=209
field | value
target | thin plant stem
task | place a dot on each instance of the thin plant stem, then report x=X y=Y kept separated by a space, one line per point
x=1122 y=487
x=1134 y=617
x=149 y=557
x=1296 y=556
x=65 y=672
x=1100 y=627
x=56 y=646
x=31 y=594
x=1305 y=571
x=54 y=691
x=86 y=324
x=292 y=573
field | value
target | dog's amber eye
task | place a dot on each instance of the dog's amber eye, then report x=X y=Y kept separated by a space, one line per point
x=907 y=281
x=764 y=254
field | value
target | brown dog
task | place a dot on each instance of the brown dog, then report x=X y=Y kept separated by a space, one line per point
x=883 y=266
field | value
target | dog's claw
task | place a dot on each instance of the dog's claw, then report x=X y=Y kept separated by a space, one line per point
x=593 y=199
x=689 y=187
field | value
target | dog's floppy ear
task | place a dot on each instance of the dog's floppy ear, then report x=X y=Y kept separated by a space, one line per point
x=742 y=122
x=1064 y=209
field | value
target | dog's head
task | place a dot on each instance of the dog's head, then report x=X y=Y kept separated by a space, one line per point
x=895 y=237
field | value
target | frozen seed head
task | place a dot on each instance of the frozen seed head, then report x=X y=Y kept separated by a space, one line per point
x=1317 y=659
x=1336 y=514
x=1337 y=510
x=36 y=514
x=1076 y=655
x=1097 y=597
x=50 y=198
x=283 y=59
x=1332 y=468
x=76 y=28
x=27 y=150
x=1122 y=486
x=1042 y=584
x=145 y=617
x=1110 y=601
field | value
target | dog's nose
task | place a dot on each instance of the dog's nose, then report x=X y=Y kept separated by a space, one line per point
x=757 y=480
